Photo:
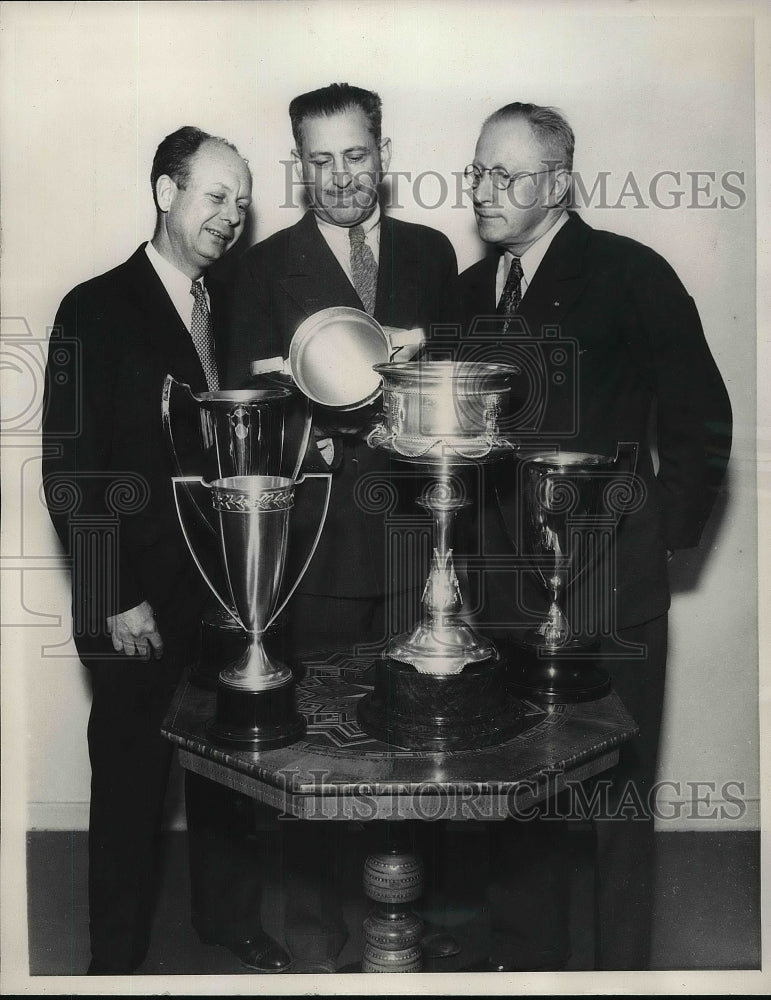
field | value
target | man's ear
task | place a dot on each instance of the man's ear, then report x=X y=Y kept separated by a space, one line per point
x=385 y=154
x=561 y=184
x=165 y=189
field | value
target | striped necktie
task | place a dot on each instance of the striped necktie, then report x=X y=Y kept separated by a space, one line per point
x=363 y=269
x=201 y=332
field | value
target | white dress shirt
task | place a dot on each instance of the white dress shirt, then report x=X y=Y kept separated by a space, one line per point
x=529 y=260
x=177 y=285
x=339 y=241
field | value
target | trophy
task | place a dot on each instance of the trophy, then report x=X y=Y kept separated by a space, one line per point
x=442 y=686
x=569 y=507
x=214 y=435
x=240 y=443
x=255 y=693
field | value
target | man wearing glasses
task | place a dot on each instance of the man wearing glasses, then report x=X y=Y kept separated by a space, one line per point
x=631 y=346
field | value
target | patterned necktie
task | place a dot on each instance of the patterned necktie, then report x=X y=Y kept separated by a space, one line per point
x=363 y=269
x=511 y=296
x=201 y=332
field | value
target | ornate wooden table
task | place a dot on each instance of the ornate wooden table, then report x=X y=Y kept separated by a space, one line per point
x=337 y=772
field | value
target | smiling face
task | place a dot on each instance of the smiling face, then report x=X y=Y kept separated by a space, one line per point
x=202 y=217
x=514 y=218
x=341 y=163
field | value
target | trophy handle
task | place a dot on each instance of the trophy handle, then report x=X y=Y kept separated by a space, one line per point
x=305 y=440
x=306 y=564
x=168 y=383
x=184 y=481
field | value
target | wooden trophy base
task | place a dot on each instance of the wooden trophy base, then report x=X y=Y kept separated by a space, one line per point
x=556 y=679
x=465 y=711
x=256 y=720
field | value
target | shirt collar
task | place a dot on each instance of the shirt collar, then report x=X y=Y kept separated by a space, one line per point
x=341 y=232
x=177 y=283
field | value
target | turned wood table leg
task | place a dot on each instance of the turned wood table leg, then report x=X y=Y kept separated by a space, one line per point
x=393 y=878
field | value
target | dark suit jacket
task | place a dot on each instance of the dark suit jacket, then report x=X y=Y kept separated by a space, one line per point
x=114 y=340
x=278 y=284
x=621 y=357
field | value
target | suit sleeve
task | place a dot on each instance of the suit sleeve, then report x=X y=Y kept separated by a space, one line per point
x=77 y=477
x=447 y=307
x=252 y=332
x=693 y=411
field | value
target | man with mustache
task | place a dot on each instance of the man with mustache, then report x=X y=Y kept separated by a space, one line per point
x=137 y=595
x=554 y=282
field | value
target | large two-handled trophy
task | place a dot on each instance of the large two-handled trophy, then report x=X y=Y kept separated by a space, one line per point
x=442 y=686
x=248 y=484
x=569 y=505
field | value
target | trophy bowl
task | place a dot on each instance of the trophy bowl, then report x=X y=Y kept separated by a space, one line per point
x=441 y=412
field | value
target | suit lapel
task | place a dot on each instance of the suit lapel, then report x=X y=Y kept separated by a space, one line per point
x=398 y=271
x=314 y=279
x=560 y=277
x=162 y=323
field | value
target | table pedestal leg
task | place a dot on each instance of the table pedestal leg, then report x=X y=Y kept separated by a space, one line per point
x=393 y=878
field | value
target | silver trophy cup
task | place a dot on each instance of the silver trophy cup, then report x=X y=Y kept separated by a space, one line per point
x=255 y=696
x=566 y=535
x=442 y=686
x=216 y=435
x=237 y=455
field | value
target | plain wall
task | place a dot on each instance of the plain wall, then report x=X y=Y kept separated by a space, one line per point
x=89 y=91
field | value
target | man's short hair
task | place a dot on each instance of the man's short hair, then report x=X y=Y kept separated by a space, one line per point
x=332 y=100
x=549 y=126
x=174 y=154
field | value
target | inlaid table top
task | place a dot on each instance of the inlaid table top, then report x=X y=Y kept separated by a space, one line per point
x=336 y=771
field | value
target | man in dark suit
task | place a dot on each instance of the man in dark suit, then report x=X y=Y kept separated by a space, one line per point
x=344 y=252
x=137 y=595
x=610 y=338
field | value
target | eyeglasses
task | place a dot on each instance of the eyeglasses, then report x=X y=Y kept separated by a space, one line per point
x=501 y=179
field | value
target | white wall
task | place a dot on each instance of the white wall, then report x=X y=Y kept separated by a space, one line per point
x=90 y=89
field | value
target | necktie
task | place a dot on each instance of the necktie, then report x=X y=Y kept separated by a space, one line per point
x=363 y=269
x=511 y=296
x=201 y=332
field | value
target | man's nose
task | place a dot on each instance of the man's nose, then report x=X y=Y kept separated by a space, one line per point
x=484 y=193
x=341 y=178
x=229 y=213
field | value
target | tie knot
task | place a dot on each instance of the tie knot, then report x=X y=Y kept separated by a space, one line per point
x=197 y=291
x=356 y=235
x=516 y=267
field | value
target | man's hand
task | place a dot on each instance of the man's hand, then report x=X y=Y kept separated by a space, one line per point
x=134 y=632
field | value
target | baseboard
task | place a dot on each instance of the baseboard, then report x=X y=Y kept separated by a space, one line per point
x=676 y=815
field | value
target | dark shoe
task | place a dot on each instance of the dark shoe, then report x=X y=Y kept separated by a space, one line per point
x=260 y=953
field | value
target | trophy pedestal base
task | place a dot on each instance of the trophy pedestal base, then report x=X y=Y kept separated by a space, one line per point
x=256 y=720
x=556 y=679
x=465 y=711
